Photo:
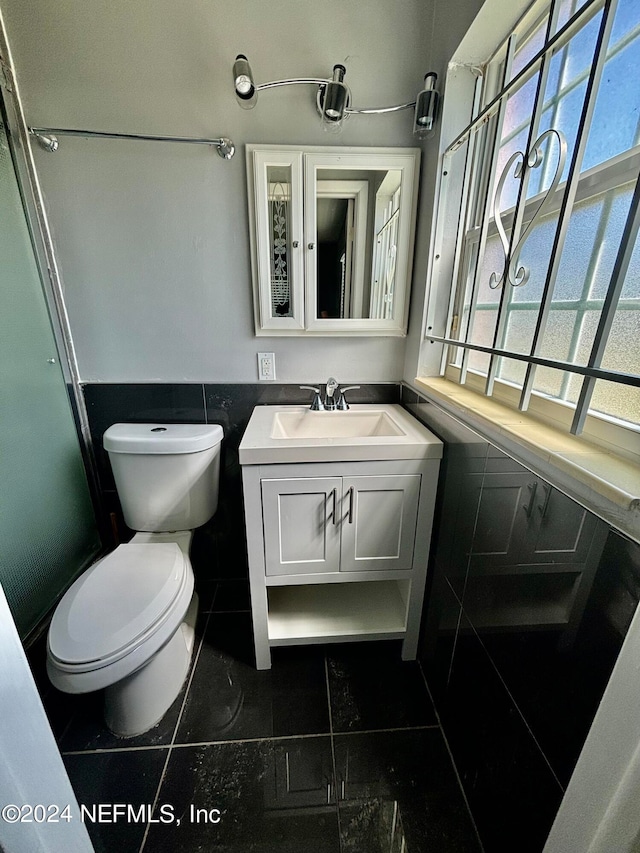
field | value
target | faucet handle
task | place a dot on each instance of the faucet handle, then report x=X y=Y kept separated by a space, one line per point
x=342 y=403
x=316 y=404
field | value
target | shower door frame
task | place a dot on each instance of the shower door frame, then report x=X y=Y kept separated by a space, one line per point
x=19 y=139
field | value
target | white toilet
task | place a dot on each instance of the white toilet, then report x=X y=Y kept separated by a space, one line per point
x=127 y=624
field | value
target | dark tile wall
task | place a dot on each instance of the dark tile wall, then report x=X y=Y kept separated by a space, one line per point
x=516 y=696
x=229 y=405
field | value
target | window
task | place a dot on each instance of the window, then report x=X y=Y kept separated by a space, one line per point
x=544 y=187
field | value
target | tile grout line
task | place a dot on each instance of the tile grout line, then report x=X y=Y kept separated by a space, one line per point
x=178 y=721
x=451 y=759
x=333 y=748
x=515 y=704
x=352 y=733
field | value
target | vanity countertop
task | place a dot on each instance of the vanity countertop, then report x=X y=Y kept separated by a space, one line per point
x=367 y=432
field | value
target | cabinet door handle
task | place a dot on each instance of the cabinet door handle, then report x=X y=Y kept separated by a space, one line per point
x=335 y=506
x=351 y=494
x=544 y=506
x=295 y=244
x=528 y=508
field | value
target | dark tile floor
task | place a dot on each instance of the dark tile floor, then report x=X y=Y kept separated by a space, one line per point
x=336 y=749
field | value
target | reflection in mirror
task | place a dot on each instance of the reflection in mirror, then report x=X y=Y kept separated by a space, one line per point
x=279 y=183
x=385 y=246
x=356 y=232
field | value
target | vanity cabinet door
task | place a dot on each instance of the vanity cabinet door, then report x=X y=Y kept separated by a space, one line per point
x=379 y=522
x=301 y=525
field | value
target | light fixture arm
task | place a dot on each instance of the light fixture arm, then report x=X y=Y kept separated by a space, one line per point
x=315 y=81
x=381 y=110
x=322 y=81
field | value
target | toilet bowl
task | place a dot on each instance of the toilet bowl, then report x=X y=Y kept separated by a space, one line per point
x=127 y=624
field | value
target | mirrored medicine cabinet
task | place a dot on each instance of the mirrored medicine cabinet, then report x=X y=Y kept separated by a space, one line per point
x=332 y=233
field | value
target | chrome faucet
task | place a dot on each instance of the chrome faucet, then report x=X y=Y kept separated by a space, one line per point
x=329 y=391
x=331 y=402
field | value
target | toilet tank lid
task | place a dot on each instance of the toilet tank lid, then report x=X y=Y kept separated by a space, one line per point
x=161 y=438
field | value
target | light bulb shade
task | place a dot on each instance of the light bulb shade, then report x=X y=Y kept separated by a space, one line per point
x=245 y=89
x=426 y=111
x=335 y=98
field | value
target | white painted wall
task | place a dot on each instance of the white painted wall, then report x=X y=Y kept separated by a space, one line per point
x=153 y=238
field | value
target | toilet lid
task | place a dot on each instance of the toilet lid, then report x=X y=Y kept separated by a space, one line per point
x=116 y=602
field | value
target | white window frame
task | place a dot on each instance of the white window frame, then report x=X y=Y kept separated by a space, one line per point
x=448 y=257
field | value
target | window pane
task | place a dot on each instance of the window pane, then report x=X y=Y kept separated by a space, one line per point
x=618 y=401
x=556 y=384
x=579 y=56
x=484 y=326
x=535 y=257
x=569 y=338
x=568 y=8
x=623 y=347
x=528 y=48
x=520 y=328
x=631 y=287
x=563 y=101
x=515 y=133
x=559 y=336
x=485 y=313
x=616 y=209
x=512 y=371
x=585 y=271
x=614 y=128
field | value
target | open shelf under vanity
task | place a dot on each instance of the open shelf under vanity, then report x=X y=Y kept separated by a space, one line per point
x=337 y=612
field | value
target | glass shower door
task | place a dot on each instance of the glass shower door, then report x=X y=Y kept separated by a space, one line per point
x=48 y=530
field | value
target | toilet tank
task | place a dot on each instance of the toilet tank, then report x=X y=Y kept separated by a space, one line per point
x=167 y=475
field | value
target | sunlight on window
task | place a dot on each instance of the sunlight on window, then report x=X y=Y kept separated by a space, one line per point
x=561 y=311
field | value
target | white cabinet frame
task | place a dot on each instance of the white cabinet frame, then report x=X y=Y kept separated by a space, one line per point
x=346 y=603
x=305 y=163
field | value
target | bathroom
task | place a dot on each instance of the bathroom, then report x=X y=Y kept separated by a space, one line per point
x=152 y=250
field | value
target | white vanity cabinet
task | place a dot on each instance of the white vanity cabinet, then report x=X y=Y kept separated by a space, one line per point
x=338 y=550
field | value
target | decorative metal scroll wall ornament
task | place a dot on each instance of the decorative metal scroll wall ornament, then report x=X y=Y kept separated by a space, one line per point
x=518 y=276
x=280 y=289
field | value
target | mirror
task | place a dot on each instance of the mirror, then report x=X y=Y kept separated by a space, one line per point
x=332 y=238
x=357 y=234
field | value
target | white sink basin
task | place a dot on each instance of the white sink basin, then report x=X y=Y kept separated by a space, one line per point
x=356 y=424
x=288 y=434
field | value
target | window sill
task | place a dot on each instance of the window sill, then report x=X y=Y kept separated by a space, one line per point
x=602 y=482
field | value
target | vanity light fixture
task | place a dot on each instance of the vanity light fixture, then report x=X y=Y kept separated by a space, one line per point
x=334 y=97
x=426 y=112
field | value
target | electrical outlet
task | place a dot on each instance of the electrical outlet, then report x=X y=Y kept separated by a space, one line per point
x=266 y=366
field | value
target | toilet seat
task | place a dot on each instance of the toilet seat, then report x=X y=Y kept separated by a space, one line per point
x=117 y=614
